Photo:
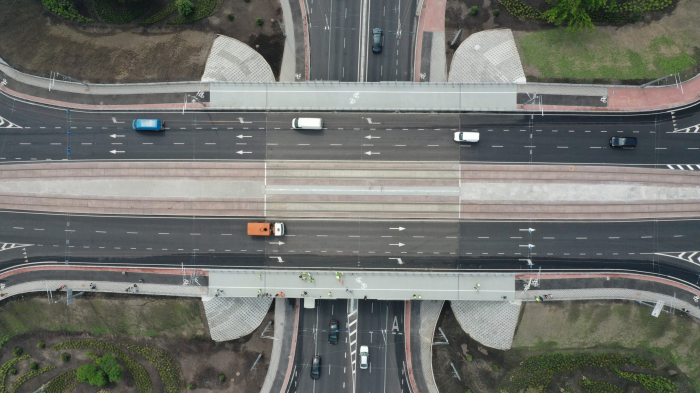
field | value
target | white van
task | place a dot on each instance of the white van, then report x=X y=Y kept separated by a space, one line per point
x=307 y=123
x=466 y=137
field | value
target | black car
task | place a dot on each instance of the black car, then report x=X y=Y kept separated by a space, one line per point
x=624 y=142
x=377 y=34
x=333 y=332
x=316 y=367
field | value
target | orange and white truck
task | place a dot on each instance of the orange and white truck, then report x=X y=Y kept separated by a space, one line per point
x=265 y=229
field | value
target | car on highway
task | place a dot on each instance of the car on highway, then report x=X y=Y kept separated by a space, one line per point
x=623 y=142
x=466 y=137
x=316 y=367
x=333 y=332
x=147 y=125
x=307 y=123
x=377 y=34
x=364 y=357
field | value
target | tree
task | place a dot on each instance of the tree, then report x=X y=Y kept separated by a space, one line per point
x=92 y=374
x=184 y=7
x=111 y=367
x=574 y=12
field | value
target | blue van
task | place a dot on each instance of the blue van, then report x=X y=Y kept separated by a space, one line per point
x=147 y=125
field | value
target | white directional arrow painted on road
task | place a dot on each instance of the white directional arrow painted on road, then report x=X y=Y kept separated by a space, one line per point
x=529 y=261
x=116 y=151
x=398 y=244
x=398 y=260
x=372 y=137
x=279 y=259
x=116 y=136
x=4 y=123
x=399 y=228
x=244 y=152
x=528 y=230
x=244 y=122
x=10 y=246
x=369 y=153
x=279 y=243
x=114 y=119
x=369 y=120
x=528 y=246
x=244 y=136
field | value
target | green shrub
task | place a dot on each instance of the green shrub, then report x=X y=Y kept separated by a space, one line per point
x=65 y=357
x=41 y=345
x=469 y=358
x=65 y=382
x=109 y=14
x=33 y=366
x=653 y=383
x=496 y=12
x=26 y=377
x=259 y=21
x=92 y=374
x=222 y=377
x=17 y=351
x=190 y=386
x=13 y=371
x=203 y=9
x=65 y=9
x=474 y=10
x=137 y=371
x=185 y=7
x=230 y=16
x=160 y=15
x=111 y=367
x=168 y=367
x=495 y=367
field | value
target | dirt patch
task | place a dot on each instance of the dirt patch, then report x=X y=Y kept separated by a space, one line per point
x=101 y=53
x=201 y=360
x=476 y=374
x=623 y=328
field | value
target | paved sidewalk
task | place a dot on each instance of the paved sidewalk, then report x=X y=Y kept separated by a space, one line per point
x=78 y=278
x=430 y=63
x=283 y=347
x=423 y=320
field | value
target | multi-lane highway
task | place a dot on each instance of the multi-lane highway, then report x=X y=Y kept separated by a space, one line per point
x=396 y=18
x=380 y=327
x=337 y=41
x=51 y=134
x=392 y=244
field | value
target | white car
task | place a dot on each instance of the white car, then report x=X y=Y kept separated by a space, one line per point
x=466 y=137
x=364 y=357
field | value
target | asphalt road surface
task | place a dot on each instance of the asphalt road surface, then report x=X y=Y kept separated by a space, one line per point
x=336 y=372
x=653 y=245
x=381 y=328
x=334 y=39
x=396 y=18
x=665 y=140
